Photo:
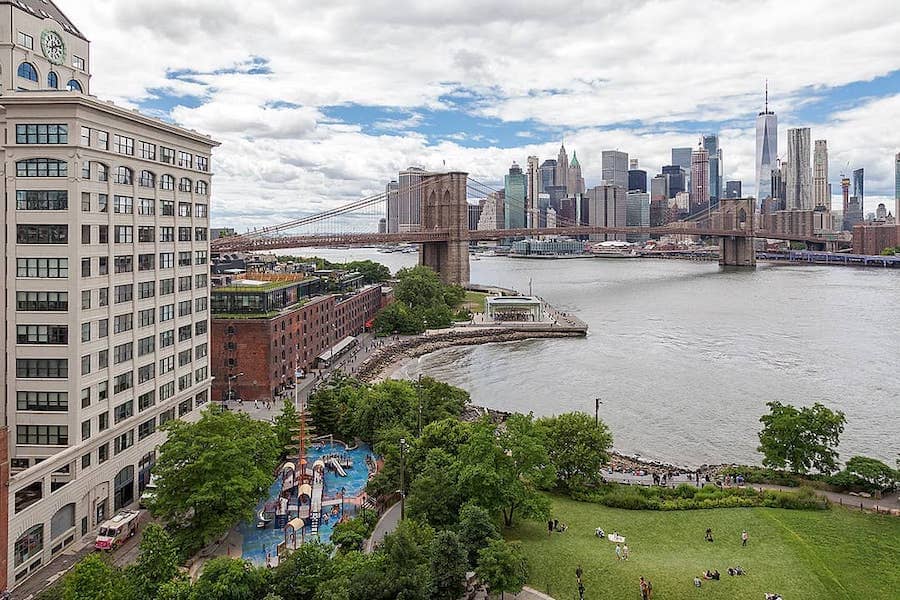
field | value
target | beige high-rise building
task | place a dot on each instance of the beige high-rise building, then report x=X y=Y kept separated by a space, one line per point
x=106 y=281
x=562 y=168
x=798 y=173
x=533 y=183
x=821 y=189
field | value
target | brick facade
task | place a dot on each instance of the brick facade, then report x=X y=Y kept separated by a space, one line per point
x=872 y=239
x=269 y=350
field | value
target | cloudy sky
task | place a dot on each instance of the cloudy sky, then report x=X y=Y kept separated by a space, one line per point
x=317 y=104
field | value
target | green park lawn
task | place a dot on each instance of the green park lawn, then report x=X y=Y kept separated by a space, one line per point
x=802 y=555
x=475 y=301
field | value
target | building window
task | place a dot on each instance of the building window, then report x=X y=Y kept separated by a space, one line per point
x=42 y=134
x=146 y=400
x=124 y=264
x=146 y=262
x=166 y=338
x=85 y=462
x=103 y=140
x=86 y=331
x=42 y=167
x=43 y=401
x=123 y=483
x=85 y=299
x=185 y=308
x=123 y=411
x=42 y=368
x=103 y=204
x=86 y=364
x=30 y=544
x=185 y=185
x=147 y=179
x=103 y=453
x=166 y=286
x=103 y=359
x=146 y=206
x=42 y=234
x=166 y=313
x=78 y=62
x=146 y=234
x=103 y=296
x=51 y=268
x=201 y=234
x=200 y=257
x=27 y=71
x=202 y=163
x=200 y=351
x=123 y=234
x=42 y=301
x=167 y=234
x=124 y=145
x=201 y=327
x=146 y=428
x=85 y=430
x=146 y=345
x=123 y=382
x=52 y=80
x=202 y=188
x=184 y=234
x=85 y=267
x=200 y=211
x=42 y=334
x=146 y=373
x=124 y=175
x=42 y=435
x=25 y=40
x=184 y=283
x=42 y=200
x=184 y=209
x=148 y=150
x=146 y=317
x=200 y=280
x=166 y=391
x=184 y=160
x=123 y=323
x=85 y=202
x=167 y=208
x=184 y=259
x=166 y=365
x=124 y=293
x=74 y=86
x=201 y=398
x=123 y=442
x=166 y=260
x=166 y=182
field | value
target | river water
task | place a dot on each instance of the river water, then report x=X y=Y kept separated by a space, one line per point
x=685 y=355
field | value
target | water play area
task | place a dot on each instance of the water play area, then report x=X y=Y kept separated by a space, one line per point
x=307 y=499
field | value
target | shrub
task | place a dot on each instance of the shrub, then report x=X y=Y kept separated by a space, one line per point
x=685 y=497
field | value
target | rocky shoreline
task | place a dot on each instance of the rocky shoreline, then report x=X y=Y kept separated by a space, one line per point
x=382 y=363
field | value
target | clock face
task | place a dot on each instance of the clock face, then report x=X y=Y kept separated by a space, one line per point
x=53 y=46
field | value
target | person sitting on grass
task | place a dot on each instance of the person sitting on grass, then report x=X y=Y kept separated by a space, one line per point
x=715 y=575
x=709 y=536
x=773 y=596
x=707 y=575
x=600 y=533
x=697 y=582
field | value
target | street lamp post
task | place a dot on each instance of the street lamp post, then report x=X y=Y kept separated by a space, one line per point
x=230 y=392
x=597 y=403
x=343 y=490
x=402 y=478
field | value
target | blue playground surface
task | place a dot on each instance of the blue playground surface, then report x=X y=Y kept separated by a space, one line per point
x=258 y=543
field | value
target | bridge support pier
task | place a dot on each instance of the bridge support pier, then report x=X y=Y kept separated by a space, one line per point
x=444 y=207
x=737 y=252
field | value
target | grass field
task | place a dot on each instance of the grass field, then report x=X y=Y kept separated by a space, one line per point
x=474 y=301
x=802 y=555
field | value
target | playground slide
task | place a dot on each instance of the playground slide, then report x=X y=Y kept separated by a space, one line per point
x=337 y=467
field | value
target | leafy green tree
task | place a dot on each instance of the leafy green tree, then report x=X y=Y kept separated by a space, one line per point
x=502 y=567
x=476 y=530
x=157 y=562
x=419 y=287
x=503 y=470
x=399 y=318
x=212 y=473
x=177 y=589
x=225 y=578
x=873 y=471
x=368 y=576
x=577 y=447
x=333 y=405
x=350 y=535
x=387 y=446
x=337 y=588
x=371 y=271
x=298 y=577
x=93 y=578
x=434 y=494
x=454 y=295
x=438 y=400
x=406 y=560
x=286 y=425
x=802 y=439
x=448 y=566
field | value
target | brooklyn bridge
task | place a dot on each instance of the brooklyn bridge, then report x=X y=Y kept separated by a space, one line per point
x=444 y=235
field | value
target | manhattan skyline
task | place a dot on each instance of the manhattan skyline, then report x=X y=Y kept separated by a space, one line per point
x=324 y=106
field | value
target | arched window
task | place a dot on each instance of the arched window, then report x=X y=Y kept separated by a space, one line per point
x=27 y=71
x=62 y=521
x=123 y=487
x=74 y=86
x=185 y=185
x=42 y=167
x=202 y=188
x=124 y=175
x=148 y=179
x=166 y=182
x=52 y=81
x=29 y=544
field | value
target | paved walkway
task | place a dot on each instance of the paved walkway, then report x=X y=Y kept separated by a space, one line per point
x=386 y=524
x=889 y=502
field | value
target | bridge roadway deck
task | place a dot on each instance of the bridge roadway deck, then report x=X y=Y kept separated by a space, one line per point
x=249 y=242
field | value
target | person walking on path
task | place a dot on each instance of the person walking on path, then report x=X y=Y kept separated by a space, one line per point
x=645 y=591
x=578 y=573
x=549 y=527
x=744 y=538
x=618 y=552
x=625 y=552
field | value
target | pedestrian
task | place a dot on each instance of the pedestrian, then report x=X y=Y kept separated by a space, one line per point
x=256 y=404
x=744 y=538
x=549 y=527
x=645 y=593
x=625 y=552
x=578 y=573
x=649 y=590
x=618 y=552
x=709 y=536
x=555 y=524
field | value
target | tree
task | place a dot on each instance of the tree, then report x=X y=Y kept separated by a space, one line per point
x=94 y=579
x=332 y=406
x=212 y=473
x=157 y=563
x=873 y=471
x=502 y=567
x=406 y=560
x=286 y=425
x=448 y=566
x=802 y=439
x=503 y=470
x=398 y=318
x=476 y=530
x=225 y=578
x=298 y=577
x=419 y=287
x=371 y=271
x=177 y=589
x=434 y=496
x=577 y=447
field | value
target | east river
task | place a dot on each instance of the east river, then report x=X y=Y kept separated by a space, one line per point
x=685 y=355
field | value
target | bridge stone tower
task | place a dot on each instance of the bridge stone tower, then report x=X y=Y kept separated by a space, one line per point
x=444 y=209
x=737 y=214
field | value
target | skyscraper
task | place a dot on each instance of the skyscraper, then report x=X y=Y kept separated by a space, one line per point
x=699 y=179
x=562 y=167
x=766 y=151
x=606 y=208
x=548 y=174
x=410 y=199
x=614 y=167
x=682 y=158
x=392 y=208
x=637 y=178
x=733 y=189
x=798 y=174
x=711 y=145
x=531 y=194
x=858 y=188
x=821 y=190
x=106 y=281
x=575 y=183
x=637 y=214
x=514 y=198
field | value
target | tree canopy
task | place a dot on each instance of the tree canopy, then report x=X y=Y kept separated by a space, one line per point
x=801 y=439
x=577 y=446
x=502 y=567
x=422 y=301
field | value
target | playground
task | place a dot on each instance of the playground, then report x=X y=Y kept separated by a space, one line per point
x=307 y=499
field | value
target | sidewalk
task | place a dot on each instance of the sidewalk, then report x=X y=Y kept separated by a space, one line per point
x=386 y=524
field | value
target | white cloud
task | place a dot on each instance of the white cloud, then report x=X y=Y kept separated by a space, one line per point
x=263 y=72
